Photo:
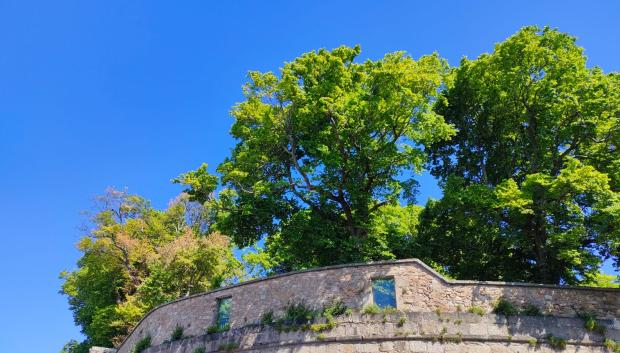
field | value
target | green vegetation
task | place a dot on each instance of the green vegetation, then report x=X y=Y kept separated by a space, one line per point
x=531 y=180
x=267 y=318
x=142 y=344
x=371 y=309
x=199 y=350
x=297 y=316
x=476 y=310
x=523 y=140
x=530 y=310
x=611 y=345
x=328 y=147
x=591 y=324
x=558 y=343
x=228 y=347
x=135 y=257
x=177 y=333
x=505 y=307
x=533 y=342
x=401 y=321
x=375 y=309
x=217 y=328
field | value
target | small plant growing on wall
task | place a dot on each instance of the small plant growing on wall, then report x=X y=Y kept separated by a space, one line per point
x=505 y=307
x=267 y=318
x=476 y=310
x=611 y=345
x=142 y=344
x=177 y=333
x=371 y=309
x=228 y=347
x=556 y=342
x=217 y=329
x=591 y=324
x=199 y=350
x=531 y=310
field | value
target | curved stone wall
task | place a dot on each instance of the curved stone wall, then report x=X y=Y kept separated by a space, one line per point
x=419 y=291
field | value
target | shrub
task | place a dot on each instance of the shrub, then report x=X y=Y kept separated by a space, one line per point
x=142 y=344
x=199 y=350
x=177 y=334
x=476 y=310
x=556 y=342
x=298 y=314
x=611 y=345
x=533 y=342
x=591 y=324
x=330 y=324
x=401 y=321
x=336 y=308
x=389 y=310
x=531 y=310
x=267 y=318
x=505 y=307
x=371 y=309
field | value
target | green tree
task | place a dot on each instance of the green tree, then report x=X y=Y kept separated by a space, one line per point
x=322 y=148
x=135 y=258
x=537 y=134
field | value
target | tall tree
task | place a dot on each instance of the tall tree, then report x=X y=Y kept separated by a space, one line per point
x=135 y=258
x=539 y=132
x=323 y=147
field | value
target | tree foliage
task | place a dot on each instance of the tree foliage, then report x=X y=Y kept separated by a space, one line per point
x=135 y=258
x=524 y=142
x=322 y=148
x=536 y=151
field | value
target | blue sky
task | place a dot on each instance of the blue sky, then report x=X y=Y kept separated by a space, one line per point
x=132 y=93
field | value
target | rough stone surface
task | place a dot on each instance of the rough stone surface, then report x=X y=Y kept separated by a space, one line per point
x=433 y=306
x=101 y=350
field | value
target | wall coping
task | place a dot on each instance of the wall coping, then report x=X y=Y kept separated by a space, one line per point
x=376 y=263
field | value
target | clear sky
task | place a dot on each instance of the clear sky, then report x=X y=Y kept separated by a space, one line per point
x=132 y=93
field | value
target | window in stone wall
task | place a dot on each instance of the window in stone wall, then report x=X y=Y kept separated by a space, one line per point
x=384 y=292
x=223 y=313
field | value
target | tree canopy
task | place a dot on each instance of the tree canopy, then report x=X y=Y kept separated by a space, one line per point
x=535 y=163
x=135 y=258
x=523 y=140
x=322 y=148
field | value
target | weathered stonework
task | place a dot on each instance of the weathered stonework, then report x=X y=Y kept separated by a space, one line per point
x=430 y=305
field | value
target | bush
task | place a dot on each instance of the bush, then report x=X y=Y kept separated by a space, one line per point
x=142 y=344
x=505 y=307
x=401 y=321
x=177 y=334
x=611 y=345
x=298 y=314
x=267 y=318
x=371 y=309
x=336 y=308
x=476 y=310
x=591 y=324
x=556 y=342
x=531 y=310
x=199 y=350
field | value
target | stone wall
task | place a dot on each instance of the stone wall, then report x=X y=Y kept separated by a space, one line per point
x=418 y=290
x=408 y=332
